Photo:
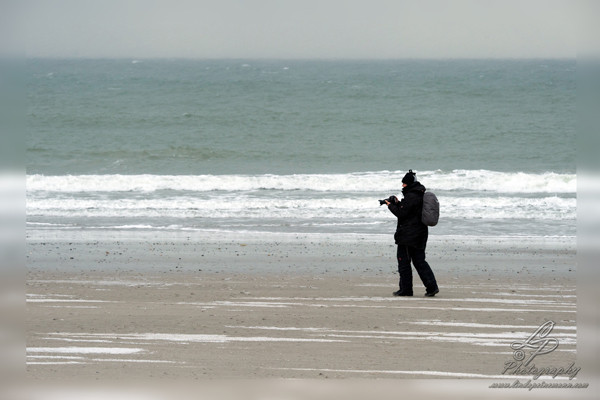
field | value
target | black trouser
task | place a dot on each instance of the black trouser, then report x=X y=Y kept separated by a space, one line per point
x=405 y=255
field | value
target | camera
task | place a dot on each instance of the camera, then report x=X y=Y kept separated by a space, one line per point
x=391 y=199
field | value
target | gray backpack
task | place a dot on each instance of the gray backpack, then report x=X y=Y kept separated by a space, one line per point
x=431 y=209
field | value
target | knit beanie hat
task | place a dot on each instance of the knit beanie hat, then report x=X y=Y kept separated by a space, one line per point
x=410 y=177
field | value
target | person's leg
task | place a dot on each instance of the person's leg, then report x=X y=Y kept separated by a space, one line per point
x=424 y=270
x=405 y=272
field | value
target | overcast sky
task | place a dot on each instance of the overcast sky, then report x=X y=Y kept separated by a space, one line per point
x=292 y=28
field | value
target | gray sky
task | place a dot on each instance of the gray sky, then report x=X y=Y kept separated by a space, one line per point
x=292 y=28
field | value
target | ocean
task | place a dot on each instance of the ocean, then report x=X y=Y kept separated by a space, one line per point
x=273 y=146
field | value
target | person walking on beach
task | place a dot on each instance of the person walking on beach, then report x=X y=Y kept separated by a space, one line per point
x=411 y=237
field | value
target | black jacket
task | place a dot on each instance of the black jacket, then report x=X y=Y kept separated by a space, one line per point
x=410 y=230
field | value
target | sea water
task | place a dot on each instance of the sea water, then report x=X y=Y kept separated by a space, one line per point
x=299 y=146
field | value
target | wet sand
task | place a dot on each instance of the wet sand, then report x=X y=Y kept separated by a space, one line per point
x=188 y=308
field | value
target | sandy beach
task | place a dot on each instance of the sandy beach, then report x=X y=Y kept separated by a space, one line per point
x=124 y=308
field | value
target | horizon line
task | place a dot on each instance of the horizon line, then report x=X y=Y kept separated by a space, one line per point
x=153 y=58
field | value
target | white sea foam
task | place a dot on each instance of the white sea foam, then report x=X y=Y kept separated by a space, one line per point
x=132 y=361
x=168 y=337
x=551 y=208
x=479 y=325
x=410 y=372
x=410 y=303
x=371 y=299
x=52 y=362
x=386 y=181
x=38 y=300
x=511 y=204
x=84 y=350
x=475 y=338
